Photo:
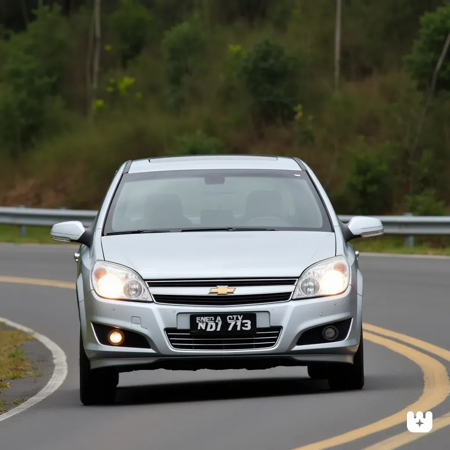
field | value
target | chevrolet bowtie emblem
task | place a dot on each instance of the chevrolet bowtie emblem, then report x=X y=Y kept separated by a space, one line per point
x=222 y=290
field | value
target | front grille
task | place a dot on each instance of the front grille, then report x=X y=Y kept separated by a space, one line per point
x=232 y=282
x=184 y=340
x=219 y=300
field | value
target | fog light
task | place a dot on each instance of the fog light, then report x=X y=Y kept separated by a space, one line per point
x=329 y=333
x=116 y=337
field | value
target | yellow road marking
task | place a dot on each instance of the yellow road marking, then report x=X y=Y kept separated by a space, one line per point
x=38 y=282
x=435 y=391
x=407 y=437
x=438 y=351
x=436 y=381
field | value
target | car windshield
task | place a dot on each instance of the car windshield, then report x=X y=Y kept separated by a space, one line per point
x=230 y=200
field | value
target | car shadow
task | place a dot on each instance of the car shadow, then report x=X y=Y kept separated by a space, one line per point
x=218 y=390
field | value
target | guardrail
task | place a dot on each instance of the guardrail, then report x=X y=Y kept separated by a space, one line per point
x=405 y=225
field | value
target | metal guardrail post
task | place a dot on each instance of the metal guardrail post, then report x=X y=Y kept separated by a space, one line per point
x=22 y=228
x=409 y=240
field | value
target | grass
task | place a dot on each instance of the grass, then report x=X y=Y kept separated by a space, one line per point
x=14 y=402
x=13 y=362
x=34 y=235
x=396 y=245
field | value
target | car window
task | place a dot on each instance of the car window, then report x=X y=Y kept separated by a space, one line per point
x=192 y=199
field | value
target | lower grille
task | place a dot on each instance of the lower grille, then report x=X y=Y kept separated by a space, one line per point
x=184 y=340
x=222 y=300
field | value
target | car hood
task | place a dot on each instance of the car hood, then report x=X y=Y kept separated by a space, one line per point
x=219 y=254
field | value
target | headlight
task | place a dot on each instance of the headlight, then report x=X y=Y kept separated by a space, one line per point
x=329 y=277
x=118 y=282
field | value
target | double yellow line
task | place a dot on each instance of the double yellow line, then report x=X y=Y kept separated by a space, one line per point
x=435 y=390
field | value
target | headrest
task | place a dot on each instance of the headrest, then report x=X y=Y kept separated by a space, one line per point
x=164 y=211
x=265 y=203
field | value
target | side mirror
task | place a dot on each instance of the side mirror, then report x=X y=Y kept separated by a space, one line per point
x=360 y=226
x=68 y=232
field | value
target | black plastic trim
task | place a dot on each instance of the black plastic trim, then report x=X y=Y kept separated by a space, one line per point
x=132 y=339
x=217 y=300
x=88 y=236
x=300 y=163
x=127 y=166
x=348 y=235
x=233 y=282
x=315 y=335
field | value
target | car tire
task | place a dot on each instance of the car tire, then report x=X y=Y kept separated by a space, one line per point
x=349 y=376
x=97 y=387
x=318 y=372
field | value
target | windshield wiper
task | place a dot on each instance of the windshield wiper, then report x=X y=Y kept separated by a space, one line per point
x=190 y=230
x=116 y=233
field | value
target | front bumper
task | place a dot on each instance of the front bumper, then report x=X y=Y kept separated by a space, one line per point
x=151 y=320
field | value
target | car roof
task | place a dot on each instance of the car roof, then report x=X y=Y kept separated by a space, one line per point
x=195 y=162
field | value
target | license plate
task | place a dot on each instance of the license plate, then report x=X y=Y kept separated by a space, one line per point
x=225 y=324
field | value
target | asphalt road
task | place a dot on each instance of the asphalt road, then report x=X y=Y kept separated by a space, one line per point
x=277 y=409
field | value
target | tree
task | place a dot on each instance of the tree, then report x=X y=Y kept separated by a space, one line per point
x=98 y=41
x=337 y=44
x=428 y=64
x=93 y=53
x=131 y=22
x=271 y=77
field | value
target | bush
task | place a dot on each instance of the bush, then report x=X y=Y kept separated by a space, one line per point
x=305 y=133
x=270 y=76
x=169 y=12
x=426 y=204
x=370 y=185
x=131 y=23
x=232 y=67
x=183 y=47
x=427 y=171
x=435 y=27
x=232 y=10
x=198 y=144
x=35 y=61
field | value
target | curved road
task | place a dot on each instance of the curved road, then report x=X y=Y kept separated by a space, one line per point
x=278 y=409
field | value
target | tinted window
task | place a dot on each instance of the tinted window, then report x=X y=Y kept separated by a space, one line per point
x=215 y=199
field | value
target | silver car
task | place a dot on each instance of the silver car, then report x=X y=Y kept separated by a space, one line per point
x=217 y=262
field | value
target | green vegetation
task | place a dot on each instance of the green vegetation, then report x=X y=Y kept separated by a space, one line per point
x=256 y=76
x=14 y=402
x=34 y=235
x=13 y=361
x=396 y=245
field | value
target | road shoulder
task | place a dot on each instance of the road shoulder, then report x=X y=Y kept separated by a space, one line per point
x=41 y=368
